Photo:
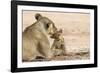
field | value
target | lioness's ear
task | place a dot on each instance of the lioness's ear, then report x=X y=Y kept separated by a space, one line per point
x=38 y=16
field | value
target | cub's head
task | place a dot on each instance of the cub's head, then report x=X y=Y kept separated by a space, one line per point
x=57 y=34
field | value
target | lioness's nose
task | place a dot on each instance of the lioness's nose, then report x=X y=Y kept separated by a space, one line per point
x=50 y=33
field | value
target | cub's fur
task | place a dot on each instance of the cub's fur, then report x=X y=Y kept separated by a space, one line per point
x=58 y=46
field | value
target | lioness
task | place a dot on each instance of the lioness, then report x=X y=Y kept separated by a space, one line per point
x=35 y=41
x=58 y=46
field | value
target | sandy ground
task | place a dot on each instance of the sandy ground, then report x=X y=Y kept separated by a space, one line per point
x=77 y=48
x=71 y=56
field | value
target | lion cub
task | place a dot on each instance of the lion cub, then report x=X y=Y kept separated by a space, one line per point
x=58 y=46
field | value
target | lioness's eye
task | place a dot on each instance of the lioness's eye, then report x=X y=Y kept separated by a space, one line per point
x=47 y=26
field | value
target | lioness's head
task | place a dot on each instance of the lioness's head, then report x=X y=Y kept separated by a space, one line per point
x=48 y=24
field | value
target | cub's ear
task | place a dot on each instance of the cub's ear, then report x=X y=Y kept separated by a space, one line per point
x=60 y=30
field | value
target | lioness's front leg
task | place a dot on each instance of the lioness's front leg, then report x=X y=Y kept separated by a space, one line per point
x=46 y=50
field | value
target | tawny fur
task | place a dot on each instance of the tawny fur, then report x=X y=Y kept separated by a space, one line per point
x=35 y=41
x=58 y=46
